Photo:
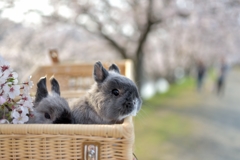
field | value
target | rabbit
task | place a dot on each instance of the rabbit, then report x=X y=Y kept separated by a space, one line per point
x=111 y=98
x=50 y=108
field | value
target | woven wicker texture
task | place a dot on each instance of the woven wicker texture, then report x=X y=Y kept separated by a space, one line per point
x=38 y=141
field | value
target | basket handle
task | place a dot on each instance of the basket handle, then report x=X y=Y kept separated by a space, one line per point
x=53 y=53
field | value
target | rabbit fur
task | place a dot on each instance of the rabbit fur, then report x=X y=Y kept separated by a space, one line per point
x=111 y=98
x=50 y=107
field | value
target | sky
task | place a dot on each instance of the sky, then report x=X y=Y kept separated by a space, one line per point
x=23 y=10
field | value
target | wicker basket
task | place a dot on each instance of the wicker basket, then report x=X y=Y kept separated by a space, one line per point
x=42 y=141
x=68 y=141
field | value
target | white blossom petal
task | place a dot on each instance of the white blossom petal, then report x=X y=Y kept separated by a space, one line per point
x=6 y=73
x=14 y=75
x=24 y=119
x=29 y=83
x=14 y=91
x=24 y=110
x=26 y=89
x=2 y=100
x=28 y=104
x=15 y=121
x=15 y=81
x=4 y=121
x=15 y=114
x=3 y=78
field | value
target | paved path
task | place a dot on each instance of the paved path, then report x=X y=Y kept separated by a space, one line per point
x=216 y=125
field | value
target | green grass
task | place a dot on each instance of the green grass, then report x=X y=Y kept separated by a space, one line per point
x=157 y=131
x=174 y=91
x=156 y=127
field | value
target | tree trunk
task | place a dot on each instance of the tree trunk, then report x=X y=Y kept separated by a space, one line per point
x=138 y=66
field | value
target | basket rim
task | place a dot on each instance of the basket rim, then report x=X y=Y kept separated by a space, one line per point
x=116 y=130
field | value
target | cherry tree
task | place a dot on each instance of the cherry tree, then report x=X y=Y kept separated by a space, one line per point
x=159 y=36
x=124 y=24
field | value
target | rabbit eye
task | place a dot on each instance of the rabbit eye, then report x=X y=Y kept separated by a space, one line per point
x=115 y=92
x=47 y=116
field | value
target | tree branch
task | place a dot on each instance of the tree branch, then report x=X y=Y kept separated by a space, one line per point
x=120 y=49
x=145 y=32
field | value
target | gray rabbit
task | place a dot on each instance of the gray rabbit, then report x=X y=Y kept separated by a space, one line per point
x=50 y=108
x=112 y=98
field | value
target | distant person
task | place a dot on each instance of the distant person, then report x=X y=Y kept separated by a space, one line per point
x=201 y=69
x=221 y=78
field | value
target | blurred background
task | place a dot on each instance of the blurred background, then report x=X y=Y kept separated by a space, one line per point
x=185 y=56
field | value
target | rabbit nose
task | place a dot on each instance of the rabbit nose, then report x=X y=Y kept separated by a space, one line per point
x=129 y=104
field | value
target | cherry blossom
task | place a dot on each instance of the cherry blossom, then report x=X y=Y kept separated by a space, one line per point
x=10 y=89
x=19 y=118
x=29 y=82
x=4 y=76
x=27 y=85
x=5 y=67
x=4 y=121
x=28 y=104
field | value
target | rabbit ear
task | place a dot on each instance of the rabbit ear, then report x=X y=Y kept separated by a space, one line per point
x=41 y=89
x=114 y=68
x=100 y=73
x=55 y=85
